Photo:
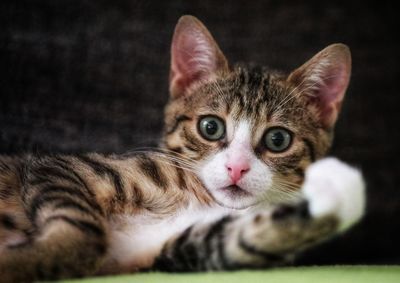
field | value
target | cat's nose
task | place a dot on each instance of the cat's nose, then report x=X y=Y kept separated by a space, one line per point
x=237 y=169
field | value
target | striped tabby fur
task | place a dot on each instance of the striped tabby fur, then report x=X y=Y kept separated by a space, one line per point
x=67 y=216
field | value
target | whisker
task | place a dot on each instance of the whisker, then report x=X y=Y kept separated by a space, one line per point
x=282 y=103
x=289 y=97
x=178 y=166
x=155 y=150
x=168 y=157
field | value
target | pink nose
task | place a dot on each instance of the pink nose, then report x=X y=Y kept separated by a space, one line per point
x=237 y=169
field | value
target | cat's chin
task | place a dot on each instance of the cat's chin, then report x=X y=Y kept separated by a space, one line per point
x=234 y=197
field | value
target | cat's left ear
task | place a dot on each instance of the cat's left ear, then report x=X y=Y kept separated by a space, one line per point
x=323 y=80
x=195 y=56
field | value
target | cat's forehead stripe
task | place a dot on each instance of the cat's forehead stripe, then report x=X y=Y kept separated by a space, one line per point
x=251 y=97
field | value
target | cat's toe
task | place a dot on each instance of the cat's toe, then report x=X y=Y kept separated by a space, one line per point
x=332 y=187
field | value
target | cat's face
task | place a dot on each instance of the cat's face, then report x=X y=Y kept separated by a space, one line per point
x=250 y=132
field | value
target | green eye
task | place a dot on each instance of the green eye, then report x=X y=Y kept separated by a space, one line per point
x=277 y=139
x=211 y=128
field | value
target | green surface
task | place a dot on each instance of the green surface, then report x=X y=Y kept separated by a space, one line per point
x=334 y=274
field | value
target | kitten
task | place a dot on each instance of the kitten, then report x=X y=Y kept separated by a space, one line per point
x=238 y=183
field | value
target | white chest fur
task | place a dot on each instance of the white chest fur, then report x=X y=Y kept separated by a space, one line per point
x=136 y=240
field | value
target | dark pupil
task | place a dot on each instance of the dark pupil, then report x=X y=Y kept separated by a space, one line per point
x=277 y=139
x=211 y=127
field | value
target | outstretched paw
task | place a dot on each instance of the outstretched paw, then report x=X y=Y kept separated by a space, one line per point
x=334 y=200
x=332 y=187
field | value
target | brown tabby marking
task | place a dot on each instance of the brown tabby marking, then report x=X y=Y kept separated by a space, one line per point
x=60 y=215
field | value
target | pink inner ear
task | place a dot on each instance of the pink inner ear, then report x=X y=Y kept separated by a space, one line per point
x=194 y=55
x=330 y=92
x=192 y=59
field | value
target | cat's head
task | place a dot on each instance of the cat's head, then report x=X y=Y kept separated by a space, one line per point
x=251 y=132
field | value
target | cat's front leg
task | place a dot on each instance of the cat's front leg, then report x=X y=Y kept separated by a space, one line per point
x=334 y=200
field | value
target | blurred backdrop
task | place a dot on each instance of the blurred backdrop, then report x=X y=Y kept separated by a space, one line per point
x=92 y=76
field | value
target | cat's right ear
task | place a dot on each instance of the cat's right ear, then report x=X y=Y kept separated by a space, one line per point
x=195 y=56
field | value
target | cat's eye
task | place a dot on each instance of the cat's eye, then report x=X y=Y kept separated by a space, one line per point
x=277 y=139
x=211 y=128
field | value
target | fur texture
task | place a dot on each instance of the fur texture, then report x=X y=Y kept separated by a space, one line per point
x=221 y=193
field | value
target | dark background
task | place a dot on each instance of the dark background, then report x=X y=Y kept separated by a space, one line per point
x=92 y=76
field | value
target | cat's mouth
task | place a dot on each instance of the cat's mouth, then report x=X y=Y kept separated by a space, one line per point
x=235 y=191
x=234 y=197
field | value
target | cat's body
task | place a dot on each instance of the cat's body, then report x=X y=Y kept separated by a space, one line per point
x=232 y=186
x=121 y=191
